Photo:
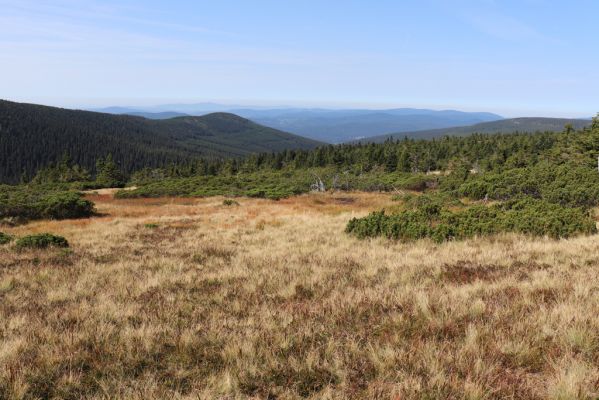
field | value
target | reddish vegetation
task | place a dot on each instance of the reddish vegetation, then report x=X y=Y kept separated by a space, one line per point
x=188 y=298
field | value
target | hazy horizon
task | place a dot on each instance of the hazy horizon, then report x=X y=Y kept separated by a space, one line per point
x=99 y=104
x=513 y=58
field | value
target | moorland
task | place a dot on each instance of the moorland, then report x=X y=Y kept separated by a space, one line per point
x=460 y=267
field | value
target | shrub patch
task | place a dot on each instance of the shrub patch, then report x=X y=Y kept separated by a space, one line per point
x=429 y=220
x=4 y=238
x=41 y=241
x=40 y=202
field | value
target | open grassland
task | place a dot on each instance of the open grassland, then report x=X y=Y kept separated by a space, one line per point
x=189 y=298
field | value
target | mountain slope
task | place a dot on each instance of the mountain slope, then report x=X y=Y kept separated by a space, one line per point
x=142 y=113
x=338 y=126
x=33 y=136
x=530 y=124
x=157 y=115
x=327 y=125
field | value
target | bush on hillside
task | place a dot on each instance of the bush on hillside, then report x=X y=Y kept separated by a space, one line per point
x=567 y=184
x=277 y=184
x=65 y=205
x=526 y=215
x=4 y=238
x=418 y=182
x=432 y=199
x=38 y=202
x=41 y=241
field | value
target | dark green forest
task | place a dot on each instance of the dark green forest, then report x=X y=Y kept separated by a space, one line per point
x=33 y=137
x=543 y=183
x=477 y=165
x=509 y=125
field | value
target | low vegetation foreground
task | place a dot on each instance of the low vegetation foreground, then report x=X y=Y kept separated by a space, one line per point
x=255 y=298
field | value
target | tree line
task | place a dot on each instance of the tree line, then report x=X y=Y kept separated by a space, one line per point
x=479 y=152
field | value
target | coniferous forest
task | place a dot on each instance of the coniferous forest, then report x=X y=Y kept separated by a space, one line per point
x=33 y=137
x=545 y=182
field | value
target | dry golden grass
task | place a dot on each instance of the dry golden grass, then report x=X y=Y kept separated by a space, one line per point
x=272 y=300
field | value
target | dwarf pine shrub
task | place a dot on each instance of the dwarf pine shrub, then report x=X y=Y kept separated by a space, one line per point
x=4 y=238
x=39 y=201
x=41 y=241
x=65 y=205
x=568 y=184
x=525 y=215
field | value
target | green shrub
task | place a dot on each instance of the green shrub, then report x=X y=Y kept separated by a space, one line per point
x=4 y=238
x=65 y=205
x=278 y=184
x=41 y=241
x=270 y=193
x=43 y=201
x=402 y=197
x=418 y=182
x=539 y=218
x=230 y=202
x=271 y=185
x=568 y=184
x=151 y=225
x=429 y=200
x=527 y=215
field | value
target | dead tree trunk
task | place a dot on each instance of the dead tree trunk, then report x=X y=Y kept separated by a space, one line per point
x=334 y=184
x=318 y=185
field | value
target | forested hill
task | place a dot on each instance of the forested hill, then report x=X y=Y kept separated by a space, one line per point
x=513 y=125
x=34 y=136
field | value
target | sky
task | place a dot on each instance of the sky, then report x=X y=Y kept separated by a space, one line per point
x=513 y=57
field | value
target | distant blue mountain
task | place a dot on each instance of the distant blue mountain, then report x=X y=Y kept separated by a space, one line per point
x=326 y=125
x=139 y=113
x=522 y=125
x=336 y=126
x=158 y=115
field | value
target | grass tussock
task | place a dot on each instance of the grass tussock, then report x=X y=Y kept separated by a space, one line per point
x=213 y=303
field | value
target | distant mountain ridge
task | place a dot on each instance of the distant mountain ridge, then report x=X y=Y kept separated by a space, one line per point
x=336 y=126
x=33 y=136
x=328 y=125
x=524 y=125
x=140 y=113
x=158 y=115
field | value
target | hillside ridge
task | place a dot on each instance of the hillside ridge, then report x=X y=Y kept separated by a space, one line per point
x=33 y=136
x=510 y=125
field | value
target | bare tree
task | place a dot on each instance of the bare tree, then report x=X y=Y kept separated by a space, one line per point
x=334 y=184
x=318 y=185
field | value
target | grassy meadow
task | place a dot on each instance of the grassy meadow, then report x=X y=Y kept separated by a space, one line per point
x=194 y=299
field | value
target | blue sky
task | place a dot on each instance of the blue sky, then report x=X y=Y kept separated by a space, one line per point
x=517 y=58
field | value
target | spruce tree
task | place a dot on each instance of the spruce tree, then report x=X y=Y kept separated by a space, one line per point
x=108 y=173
